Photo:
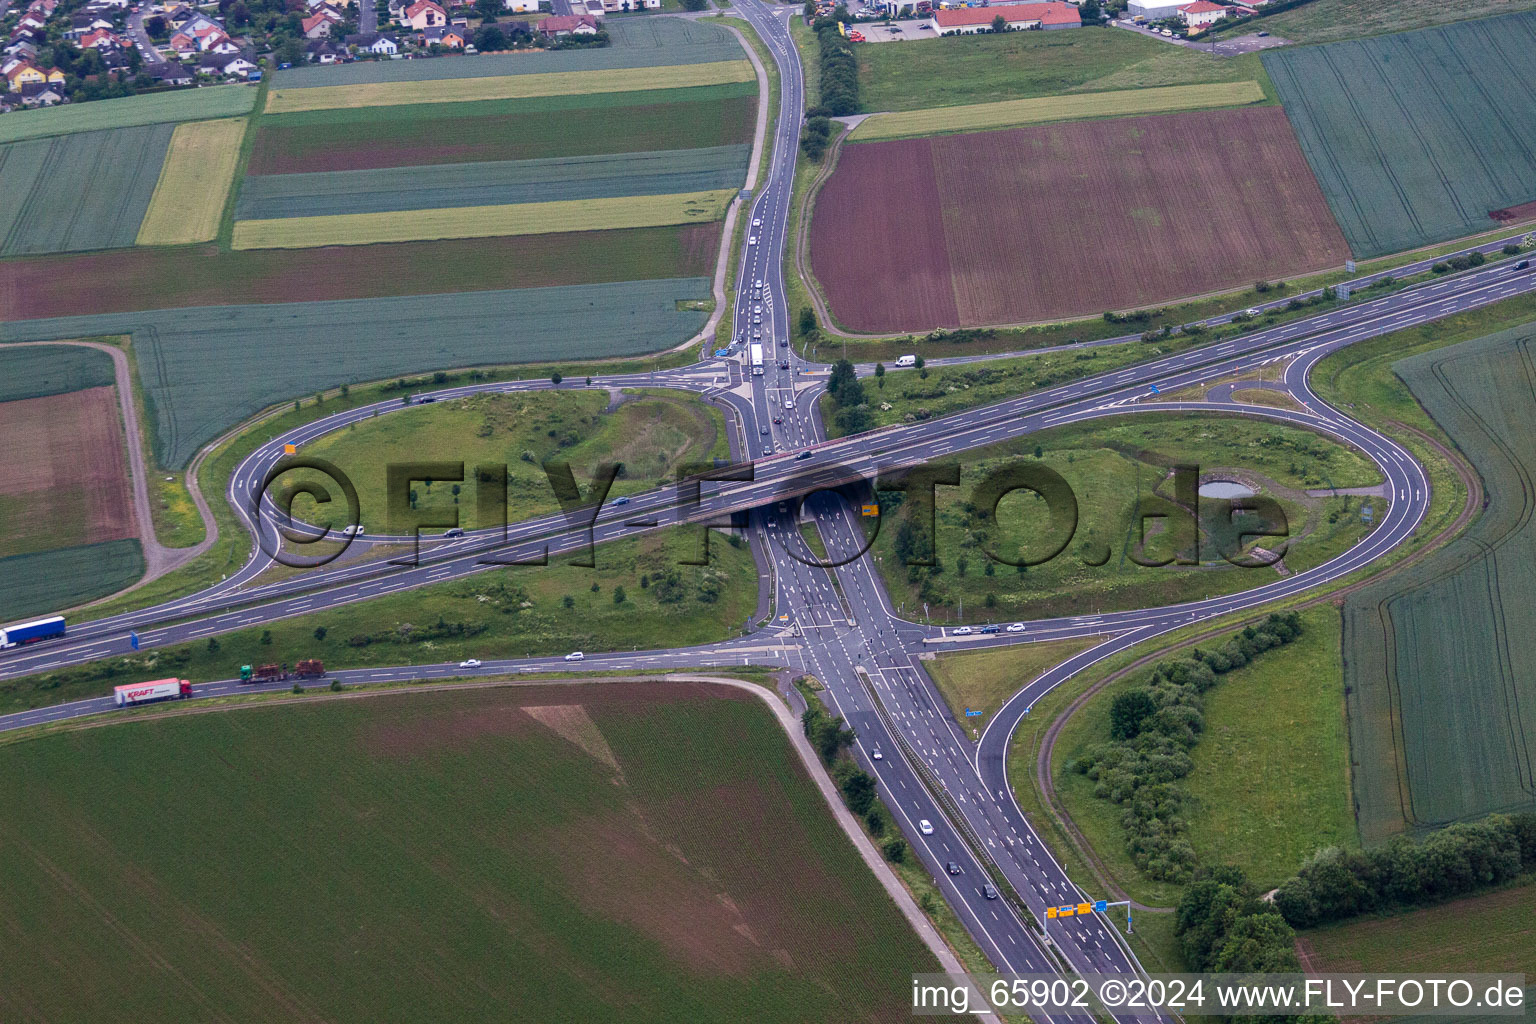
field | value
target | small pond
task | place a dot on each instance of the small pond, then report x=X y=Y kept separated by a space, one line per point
x=1224 y=489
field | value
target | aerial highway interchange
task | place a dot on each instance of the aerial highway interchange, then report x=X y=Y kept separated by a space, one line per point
x=836 y=622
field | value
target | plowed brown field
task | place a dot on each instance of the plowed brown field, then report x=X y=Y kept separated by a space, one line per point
x=63 y=472
x=1066 y=220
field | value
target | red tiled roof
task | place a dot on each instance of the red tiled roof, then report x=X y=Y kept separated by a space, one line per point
x=1054 y=13
x=1202 y=7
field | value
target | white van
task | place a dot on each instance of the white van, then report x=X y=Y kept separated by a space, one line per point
x=905 y=361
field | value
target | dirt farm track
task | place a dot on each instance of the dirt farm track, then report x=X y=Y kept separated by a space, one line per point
x=1062 y=220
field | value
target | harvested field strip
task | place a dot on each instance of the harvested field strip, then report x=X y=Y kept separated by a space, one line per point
x=50 y=580
x=506 y=87
x=1440 y=659
x=492 y=183
x=484 y=221
x=129 y=112
x=1014 y=243
x=550 y=126
x=638 y=43
x=39 y=371
x=193 y=362
x=125 y=280
x=194 y=183
x=84 y=191
x=1041 y=110
x=1416 y=137
x=63 y=472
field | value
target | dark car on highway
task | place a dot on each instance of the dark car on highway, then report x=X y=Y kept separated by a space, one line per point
x=952 y=868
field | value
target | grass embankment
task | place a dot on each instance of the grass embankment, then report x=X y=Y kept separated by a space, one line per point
x=1117 y=471
x=501 y=613
x=195 y=182
x=603 y=837
x=1043 y=110
x=232 y=548
x=957 y=70
x=649 y=435
x=1271 y=777
x=984 y=680
x=505 y=87
x=600 y=214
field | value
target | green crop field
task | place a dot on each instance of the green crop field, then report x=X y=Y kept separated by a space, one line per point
x=650 y=435
x=484 y=221
x=1116 y=469
x=643 y=43
x=955 y=70
x=45 y=581
x=1328 y=21
x=194 y=363
x=1495 y=932
x=492 y=183
x=129 y=112
x=84 y=191
x=1418 y=137
x=1044 y=109
x=1440 y=658
x=549 y=126
x=36 y=371
x=548 y=853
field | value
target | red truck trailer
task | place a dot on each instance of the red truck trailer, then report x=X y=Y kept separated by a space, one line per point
x=155 y=689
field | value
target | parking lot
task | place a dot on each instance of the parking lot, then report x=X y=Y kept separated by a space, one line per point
x=1249 y=43
x=895 y=31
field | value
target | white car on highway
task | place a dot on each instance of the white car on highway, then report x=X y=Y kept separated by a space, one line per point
x=470 y=663
x=575 y=656
x=751 y=239
x=926 y=827
x=1017 y=627
x=963 y=631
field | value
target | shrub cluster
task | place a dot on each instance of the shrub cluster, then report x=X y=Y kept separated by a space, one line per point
x=1223 y=925
x=1152 y=729
x=1467 y=262
x=1454 y=861
x=813 y=143
x=847 y=394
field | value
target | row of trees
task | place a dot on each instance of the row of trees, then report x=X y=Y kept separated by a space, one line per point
x=831 y=740
x=838 y=67
x=1152 y=729
x=1454 y=861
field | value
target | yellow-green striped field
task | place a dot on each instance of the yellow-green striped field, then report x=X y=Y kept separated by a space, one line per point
x=194 y=183
x=508 y=87
x=1042 y=109
x=484 y=221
